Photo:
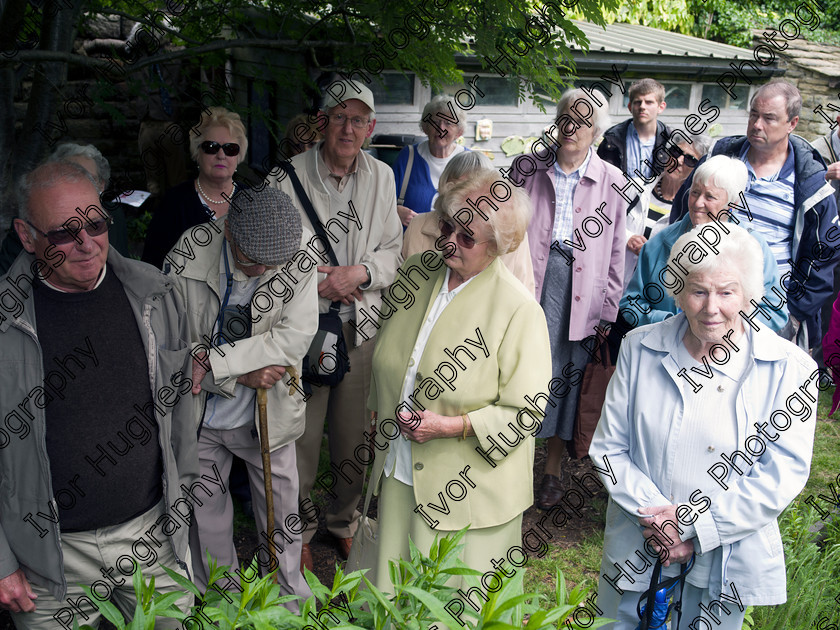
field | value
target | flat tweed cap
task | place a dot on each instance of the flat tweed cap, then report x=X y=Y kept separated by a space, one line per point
x=265 y=225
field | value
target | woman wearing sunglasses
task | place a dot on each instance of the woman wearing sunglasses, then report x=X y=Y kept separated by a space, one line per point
x=217 y=145
x=577 y=249
x=650 y=214
x=451 y=374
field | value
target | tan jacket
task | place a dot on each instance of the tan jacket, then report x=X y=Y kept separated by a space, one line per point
x=422 y=232
x=376 y=244
x=280 y=335
x=493 y=388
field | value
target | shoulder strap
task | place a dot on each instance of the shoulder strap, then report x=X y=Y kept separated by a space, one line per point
x=310 y=211
x=406 y=175
x=313 y=218
x=830 y=145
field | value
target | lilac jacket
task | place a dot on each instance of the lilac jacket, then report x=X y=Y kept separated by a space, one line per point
x=599 y=238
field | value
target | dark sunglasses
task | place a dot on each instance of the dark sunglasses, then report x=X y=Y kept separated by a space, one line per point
x=688 y=160
x=464 y=240
x=64 y=235
x=211 y=147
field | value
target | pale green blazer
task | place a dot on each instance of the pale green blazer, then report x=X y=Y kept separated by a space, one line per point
x=491 y=389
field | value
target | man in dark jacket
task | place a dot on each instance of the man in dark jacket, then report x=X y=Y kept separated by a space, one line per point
x=638 y=143
x=789 y=202
x=98 y=447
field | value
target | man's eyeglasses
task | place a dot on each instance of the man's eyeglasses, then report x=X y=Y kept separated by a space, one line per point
x=64 y=235
x=688 y=160
x=464 y=240
x=357 y=121
x=246 y=263
x=211 y=147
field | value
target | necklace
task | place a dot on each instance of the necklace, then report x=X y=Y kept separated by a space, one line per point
x=204 y=194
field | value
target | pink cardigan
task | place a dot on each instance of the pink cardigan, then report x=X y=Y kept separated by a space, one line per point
x=599 y=241
x=831 y=352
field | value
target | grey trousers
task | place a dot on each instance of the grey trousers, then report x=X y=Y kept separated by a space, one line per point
x=213 y=527
x=699 y=611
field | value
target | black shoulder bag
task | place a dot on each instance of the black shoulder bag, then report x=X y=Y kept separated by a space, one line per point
x=326 y=362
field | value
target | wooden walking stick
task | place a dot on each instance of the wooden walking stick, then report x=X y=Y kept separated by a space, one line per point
x=266 y=463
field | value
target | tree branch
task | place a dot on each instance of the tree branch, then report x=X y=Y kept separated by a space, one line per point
x=107 y=65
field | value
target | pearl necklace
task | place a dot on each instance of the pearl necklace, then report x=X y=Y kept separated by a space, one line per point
x=204 y=194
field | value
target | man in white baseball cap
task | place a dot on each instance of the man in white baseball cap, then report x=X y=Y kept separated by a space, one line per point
x=346 y=187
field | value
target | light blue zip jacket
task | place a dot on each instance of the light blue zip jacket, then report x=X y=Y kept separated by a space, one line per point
x=635 y=446
x=640 y=306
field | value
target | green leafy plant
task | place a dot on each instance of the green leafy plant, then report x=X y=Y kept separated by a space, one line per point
x=422 y=587
x=812 y=572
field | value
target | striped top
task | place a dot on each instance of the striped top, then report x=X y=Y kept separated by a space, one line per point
x=564 y=196
x=770 y=201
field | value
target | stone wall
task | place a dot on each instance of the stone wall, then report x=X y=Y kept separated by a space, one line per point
x=815 y=69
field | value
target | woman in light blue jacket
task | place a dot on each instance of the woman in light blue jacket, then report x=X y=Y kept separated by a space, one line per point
x=717 y=182
x=715 y=455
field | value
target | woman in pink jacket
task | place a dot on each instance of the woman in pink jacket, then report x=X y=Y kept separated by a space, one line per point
x=577 y=241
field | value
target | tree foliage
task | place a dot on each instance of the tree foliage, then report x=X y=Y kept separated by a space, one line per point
x=37 y=42
x=730 y=22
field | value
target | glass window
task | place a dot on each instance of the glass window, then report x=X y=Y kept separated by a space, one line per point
x=393 y=89
x=677 y=95
x=720 y=97
x=496 y=90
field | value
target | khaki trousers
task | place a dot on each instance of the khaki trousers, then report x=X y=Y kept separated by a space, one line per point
x=345 y=409
x=105 y=560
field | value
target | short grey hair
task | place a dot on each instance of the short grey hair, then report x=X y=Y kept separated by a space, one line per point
x=68 y=150
x=724 y=172
x=785 y=89
x=47 y=175
x=507 y=208
x=700 y=142
x=441 y=104
x=738 y=250
x=462 y=165
x=600 y=116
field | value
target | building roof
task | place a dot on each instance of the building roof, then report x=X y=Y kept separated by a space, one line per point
x=633 y=38
x=647 y=50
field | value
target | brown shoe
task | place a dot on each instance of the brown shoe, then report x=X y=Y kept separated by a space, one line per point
x=550 y=492
x=344 y=545
x=306 y=558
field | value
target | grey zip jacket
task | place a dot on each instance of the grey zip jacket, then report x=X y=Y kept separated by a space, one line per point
x=30 y=540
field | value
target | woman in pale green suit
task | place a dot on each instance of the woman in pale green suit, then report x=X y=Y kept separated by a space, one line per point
x=462 y=350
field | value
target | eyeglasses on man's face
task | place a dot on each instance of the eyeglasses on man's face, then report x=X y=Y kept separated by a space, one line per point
x=211 y=147
x=64 y=235
x=358 y=122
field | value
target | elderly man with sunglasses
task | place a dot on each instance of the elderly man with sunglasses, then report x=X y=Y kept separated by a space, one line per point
x=260 y=324
x=354 y=197
x=98 y=440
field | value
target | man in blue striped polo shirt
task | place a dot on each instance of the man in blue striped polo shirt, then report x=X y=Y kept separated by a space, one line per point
x=788 y=200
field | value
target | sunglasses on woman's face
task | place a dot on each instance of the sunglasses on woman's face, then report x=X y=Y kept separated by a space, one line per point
x=688 y=159
x=211 y=147
x=464 y=240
